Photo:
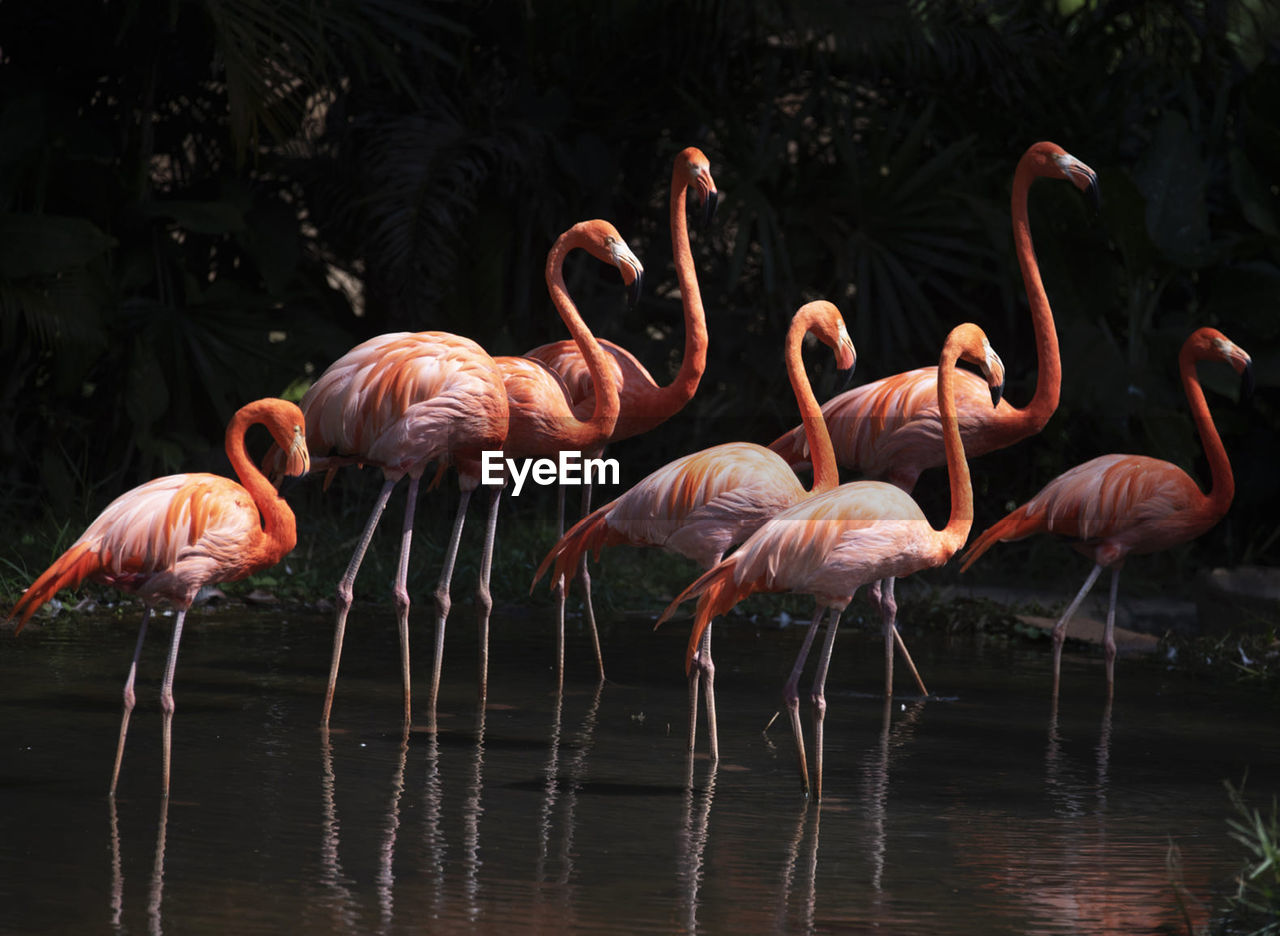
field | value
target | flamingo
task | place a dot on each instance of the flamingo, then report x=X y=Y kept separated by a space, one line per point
x=830 y=544
x=643 y=403
x=401 y=401
x=1116 y=505
x=702 y=504
x=542 y=413
x=167 y=538
x=890 y=430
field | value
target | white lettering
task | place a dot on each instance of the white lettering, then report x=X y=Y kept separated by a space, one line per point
x=570 y=464
x=489 y=463
x=570 y=468
x=544 y=471
x=518 y=475
x=602 y=465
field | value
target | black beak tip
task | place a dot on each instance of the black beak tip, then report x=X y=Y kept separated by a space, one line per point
x=1095 y=195
x=1246 y=382
x=845 y=377
x=996 y=393
x=633 y=292
x=709 y=210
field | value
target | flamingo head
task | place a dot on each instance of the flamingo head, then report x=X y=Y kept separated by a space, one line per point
x=823 y=320
x=1051 y=160
x=971 y=343
x=693 y=164
x=602 y=240
x=1211 y=344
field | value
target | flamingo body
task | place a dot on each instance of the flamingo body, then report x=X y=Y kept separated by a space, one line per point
x=406 y=399
x=165 y=539
x=830 y=544
x=1117 y=505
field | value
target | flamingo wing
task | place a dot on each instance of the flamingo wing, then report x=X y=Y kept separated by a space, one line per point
x=404 y=399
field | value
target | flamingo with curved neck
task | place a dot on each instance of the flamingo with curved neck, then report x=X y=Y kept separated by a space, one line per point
x=644 y=404
x=890 y=429
x=702 y=504
x=1116 y=505
x=543 y=420
x=166 y=539
x=830 y=544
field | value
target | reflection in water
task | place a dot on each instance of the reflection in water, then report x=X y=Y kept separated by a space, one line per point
x=332 y=878
x=807 y=815
x=386 y=875
x=471 y=812
x=1087 y=873
x=693 y=840
x=875 y=772
x=155 y=895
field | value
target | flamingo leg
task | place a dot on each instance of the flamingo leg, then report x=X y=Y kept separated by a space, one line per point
x=791 y=698
x=443 y=602
x=166 y=695
x=818 y=696
x=585 y=578
x=346 y=590
x=1060 y=628
x=889 y=616
x=129 y=699
x=1109 y=637
x=401 y=591
x=561 y=589
x=484 y=597
x=702 y=665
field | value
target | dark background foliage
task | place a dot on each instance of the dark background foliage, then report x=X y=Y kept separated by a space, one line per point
x=206 y=201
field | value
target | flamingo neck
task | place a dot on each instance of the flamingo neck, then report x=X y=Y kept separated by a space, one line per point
x=593 y=431
x=1222 y=485
x=954 y=534
x=826 y=475
x=672 y=398
x=1048 y=364
x=279 y=528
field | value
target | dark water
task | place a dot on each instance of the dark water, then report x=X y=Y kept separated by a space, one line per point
x=979 y=811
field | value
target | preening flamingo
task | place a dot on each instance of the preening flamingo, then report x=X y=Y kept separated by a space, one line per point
x=643 y=403
x=401 y=401
x=702 y=504
x=889 y=429
x=165 y=539
x=543 y=419
x=830 y=544
x=1117 y=505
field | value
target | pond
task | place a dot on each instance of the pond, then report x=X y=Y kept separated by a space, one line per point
x=980 y=809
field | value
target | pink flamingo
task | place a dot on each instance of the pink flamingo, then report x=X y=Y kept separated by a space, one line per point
x=401 y=401
x=702 y=504
x=643 y=404
x=890 y=429
x=1116 y=505
x=165 y=539
x=830 y=544
x=543 y=417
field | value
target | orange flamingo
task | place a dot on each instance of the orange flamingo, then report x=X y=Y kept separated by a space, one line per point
x=1117 y=505
x=889 y=429
x=401 y=401
x=167 y=538
x=543 y=418
x=830 y=544
x=644 y=404
x=702 y=504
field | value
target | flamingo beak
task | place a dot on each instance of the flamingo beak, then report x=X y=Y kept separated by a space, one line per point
x=633 y=291
x=996 y=393
x=1246 y=381
x=709 y=206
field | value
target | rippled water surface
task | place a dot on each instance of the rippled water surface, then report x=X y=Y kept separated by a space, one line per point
x=977 y=810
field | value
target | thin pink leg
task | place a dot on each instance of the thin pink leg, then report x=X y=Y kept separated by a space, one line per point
x=819 y=699
x=346 y=590
x=166 y=694
x=1109 y=638
x=561 y=589
x=443 y=603
x=703 y=665
x=484 y=598
x=129 y=699
x=791 y=698
x=585 y=578
x=1060 y=628
x=401 y=590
